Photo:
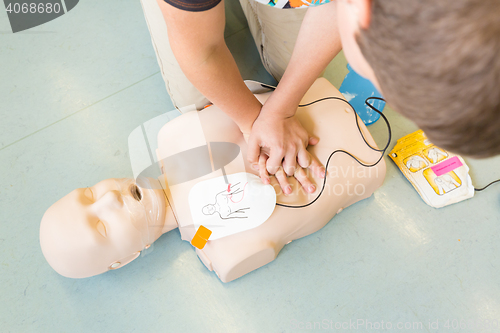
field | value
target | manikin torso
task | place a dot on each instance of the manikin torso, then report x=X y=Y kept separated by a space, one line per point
x=347 y=181
x=106 y=226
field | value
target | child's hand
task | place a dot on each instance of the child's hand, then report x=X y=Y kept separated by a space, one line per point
x=276 y=145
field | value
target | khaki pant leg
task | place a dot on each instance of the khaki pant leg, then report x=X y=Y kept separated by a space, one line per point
x=182 y=92
x=275 y=32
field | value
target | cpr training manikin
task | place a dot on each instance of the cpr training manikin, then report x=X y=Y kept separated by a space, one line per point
x=208 y=185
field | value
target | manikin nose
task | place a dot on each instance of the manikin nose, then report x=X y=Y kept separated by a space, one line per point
x=110 y=200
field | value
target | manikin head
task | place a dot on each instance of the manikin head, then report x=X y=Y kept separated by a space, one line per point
x=436 y=62
x=208 y=209
x=106 y=226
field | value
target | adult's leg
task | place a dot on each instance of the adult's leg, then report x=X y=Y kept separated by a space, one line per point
x=275 y=32
x=182 y=92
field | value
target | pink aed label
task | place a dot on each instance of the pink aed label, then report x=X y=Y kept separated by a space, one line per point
x=446 y=166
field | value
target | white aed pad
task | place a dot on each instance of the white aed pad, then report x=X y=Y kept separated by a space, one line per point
x=230 y=204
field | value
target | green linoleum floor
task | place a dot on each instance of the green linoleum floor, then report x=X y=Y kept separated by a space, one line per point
x=72 y=90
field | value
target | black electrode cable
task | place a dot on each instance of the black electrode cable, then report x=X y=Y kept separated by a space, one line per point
x=382 y=151
x=364 y=139
x=484 y=188
x=475 y=189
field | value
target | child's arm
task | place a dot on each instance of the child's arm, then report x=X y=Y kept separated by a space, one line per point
x=197 y=41
x=317 y=44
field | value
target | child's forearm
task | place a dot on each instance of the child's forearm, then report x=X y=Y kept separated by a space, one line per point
x=317 y=44
x=197 y=41
x=219 y=79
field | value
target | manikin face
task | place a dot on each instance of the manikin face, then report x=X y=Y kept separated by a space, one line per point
x=92 y=230
x=208 y=209
x=353 y=15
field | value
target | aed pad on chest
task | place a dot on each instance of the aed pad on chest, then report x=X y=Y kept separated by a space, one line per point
x=230 y=204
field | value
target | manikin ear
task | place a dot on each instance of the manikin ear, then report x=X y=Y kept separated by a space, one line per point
x=362 y=9
x=122 y=262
